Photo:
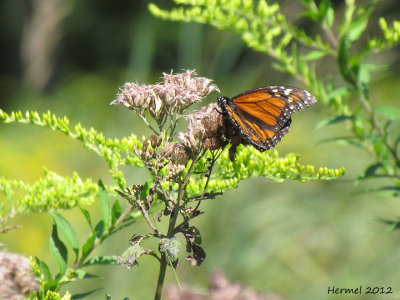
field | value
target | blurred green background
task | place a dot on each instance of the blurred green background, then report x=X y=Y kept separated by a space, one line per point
x=294 y=239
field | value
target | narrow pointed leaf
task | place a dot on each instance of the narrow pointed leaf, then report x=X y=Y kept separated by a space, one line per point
x=116 y=211
x=100 y=260
x=334 y=120
x=372 y=170
x=88 y=246
x=67 y=230
x=358 y=26
x=314 y=55
x=58 y=250
x=44 y=268
x=86 y=214
x=105 y=205
x=84 y=295
x=343 y=59
x=99 y=229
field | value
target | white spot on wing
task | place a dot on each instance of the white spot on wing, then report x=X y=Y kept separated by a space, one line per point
x=287 y=92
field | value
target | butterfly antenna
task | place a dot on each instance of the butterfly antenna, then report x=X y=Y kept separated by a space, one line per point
x=218 y=92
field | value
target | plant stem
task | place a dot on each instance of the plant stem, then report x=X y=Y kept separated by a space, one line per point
x=171 y=230
x=161 y=277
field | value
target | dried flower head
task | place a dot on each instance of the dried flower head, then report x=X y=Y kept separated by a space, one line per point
x=176 y=153
x=175 y=171
x=206 y=130
x=176 y=93
x=16 y=277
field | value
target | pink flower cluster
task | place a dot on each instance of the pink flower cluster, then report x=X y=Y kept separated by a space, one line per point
x=176 y=93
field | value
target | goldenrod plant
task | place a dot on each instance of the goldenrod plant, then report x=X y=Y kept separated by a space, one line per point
x=184 y=169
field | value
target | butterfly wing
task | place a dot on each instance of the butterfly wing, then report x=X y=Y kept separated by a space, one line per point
x=263 y=116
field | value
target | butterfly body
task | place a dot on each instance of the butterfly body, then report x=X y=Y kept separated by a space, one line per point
x=261 y=117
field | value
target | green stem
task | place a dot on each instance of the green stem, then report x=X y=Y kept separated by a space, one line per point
x=164 y=259
x=161 y=277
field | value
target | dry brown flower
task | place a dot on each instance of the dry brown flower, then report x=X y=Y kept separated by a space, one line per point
x=176 y=153
x=175 y=170
x=16 y=277
x=206 y=130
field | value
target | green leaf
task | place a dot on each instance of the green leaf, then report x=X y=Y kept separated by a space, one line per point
x=390 y=112
x=99 y=229
x=387 y=191
x=390 y=188
x=359 y=127
x=170 y=247
x=84 y=295
x=395 y=224
x=344 y=140
x=88 y=276
x=126 y=223
x=330 y=16
x=349 y=68
x=52 y=285
x=129 y=258
x=364 y=76
x=88 y=246
x=116 y=211
x=338 y=92
x=44 y=268
x=327 y=12
x=58 y=250
x=334 y=120
x=343 y=59
x=314 y=16
x=358 y=26
x=314 y=55
x=79 y=274
x=100 y=260
x=105 y=205
x=145 y=191
x=381 y=149
x=372 y=170
x=86 y=214
x=67 y=230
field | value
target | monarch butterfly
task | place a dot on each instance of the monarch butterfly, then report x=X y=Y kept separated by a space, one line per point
x=261 y=117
